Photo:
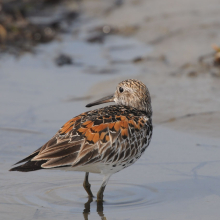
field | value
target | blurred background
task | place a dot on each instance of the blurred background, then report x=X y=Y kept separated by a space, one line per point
x=57 y=56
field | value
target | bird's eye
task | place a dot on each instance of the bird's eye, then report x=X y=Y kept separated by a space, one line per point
x=121 y=89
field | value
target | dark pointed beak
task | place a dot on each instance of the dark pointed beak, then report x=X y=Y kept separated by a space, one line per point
x=106 y=99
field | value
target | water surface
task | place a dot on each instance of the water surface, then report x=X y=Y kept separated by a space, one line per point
x=177 y=177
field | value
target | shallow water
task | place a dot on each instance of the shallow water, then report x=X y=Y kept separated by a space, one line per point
x=177 y=177
x=178 y=172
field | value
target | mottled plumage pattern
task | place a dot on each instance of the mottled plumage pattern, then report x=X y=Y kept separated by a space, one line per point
x=104 y=141
x=115 y=135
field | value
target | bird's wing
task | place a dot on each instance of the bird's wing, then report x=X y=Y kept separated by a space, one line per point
x=101 y=138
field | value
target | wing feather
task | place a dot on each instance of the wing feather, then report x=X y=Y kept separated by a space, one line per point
x=93 y=137
x=60 y=161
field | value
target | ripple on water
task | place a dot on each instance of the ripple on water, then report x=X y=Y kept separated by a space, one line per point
x=67 y=195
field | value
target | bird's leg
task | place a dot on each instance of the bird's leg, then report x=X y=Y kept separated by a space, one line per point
x=87 y=185
x=100 y=194
x=102 y=188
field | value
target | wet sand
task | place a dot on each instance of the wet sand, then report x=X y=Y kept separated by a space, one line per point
x=178 y=176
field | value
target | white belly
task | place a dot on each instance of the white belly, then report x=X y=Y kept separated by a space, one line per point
x=94 y=168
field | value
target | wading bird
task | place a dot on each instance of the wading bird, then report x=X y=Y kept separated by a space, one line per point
x=105 y=140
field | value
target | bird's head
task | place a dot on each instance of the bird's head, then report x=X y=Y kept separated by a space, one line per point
x=129 y=92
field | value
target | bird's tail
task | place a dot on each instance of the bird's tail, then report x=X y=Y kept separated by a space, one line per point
x=29 y=166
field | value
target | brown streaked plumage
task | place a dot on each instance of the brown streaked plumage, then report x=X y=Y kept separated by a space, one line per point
x=104 y=140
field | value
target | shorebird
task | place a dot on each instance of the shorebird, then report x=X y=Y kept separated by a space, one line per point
x=105 y=140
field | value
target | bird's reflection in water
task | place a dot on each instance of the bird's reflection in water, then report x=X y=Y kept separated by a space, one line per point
x=86 y=211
